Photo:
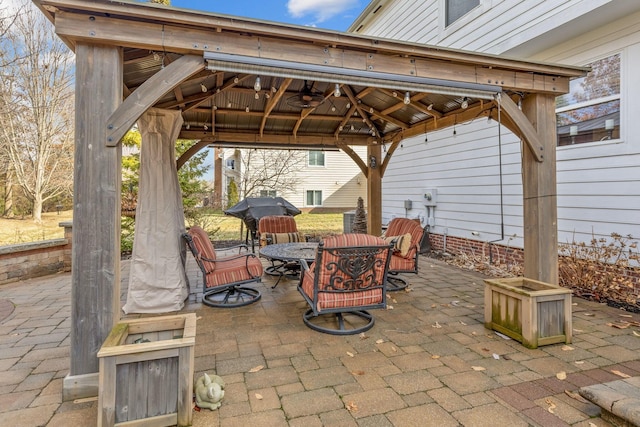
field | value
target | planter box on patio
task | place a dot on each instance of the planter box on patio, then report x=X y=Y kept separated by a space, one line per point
x=531 y=312
x=146 y=372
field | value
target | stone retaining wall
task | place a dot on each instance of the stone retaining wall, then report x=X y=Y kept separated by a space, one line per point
x=34 y=259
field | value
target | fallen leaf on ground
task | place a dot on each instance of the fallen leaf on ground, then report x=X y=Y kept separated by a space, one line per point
x=552 y=405
x=462 y=323
x=436 y=325
x=620 y=374
x=389 y=307
x=566 y=348
x=380 y=341
x=393 y=300
x=433 y=305
x=579 y=362
x=505 y=357
x=363 y=336
x=503 y=336
x=407 y=289
x=485 y=349
x=352 y=407
x=474 y=333
x=435 y=356
x=589 y=314
x=618 y=325
x=592 y=424
x=496 y=356
x=636 y=333
x=562 y=375
x=349 y=354
x=576 y=396
x=578 y=330
x=393 y=349
x=258 y=396
x=257 y=368
x=478 y=368
x=625 y=315
x=357 y=372
x=455 y=303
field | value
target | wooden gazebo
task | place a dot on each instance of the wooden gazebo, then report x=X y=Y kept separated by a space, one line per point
x=249 y=83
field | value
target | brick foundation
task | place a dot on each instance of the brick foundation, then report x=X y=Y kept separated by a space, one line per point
x=35 y=259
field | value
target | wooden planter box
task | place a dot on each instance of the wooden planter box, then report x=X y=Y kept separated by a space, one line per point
x=146 y=372
x=531 y=312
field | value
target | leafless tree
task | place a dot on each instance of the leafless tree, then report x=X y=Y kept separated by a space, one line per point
x=275 y=170
x=36 y=108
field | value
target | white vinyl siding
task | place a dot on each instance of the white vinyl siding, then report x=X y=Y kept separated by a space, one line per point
x=598 y=184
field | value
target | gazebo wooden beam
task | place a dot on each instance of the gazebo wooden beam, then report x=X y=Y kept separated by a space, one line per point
x=424 y=62
x=148 y=94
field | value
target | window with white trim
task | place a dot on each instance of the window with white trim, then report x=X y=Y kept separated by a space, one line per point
x=267 y=193
x=231 y=164
x=316 y=158
x=456 y=9
x=590 y=112
x=314 y=197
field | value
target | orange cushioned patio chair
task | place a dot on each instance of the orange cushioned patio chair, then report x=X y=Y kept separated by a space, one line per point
x=406 y=235
x=224 y=277
x=347 y=278
x=275 y=229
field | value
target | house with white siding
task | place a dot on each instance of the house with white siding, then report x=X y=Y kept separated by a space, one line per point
x=322 y=180
x=474 y=169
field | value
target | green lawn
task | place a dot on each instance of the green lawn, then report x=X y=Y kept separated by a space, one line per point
x=13 y=231
x=312 y=224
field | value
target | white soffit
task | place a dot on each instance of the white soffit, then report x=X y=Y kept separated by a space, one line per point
x=295 y=70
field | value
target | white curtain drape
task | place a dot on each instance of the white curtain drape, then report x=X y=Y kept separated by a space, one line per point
x=157 y=280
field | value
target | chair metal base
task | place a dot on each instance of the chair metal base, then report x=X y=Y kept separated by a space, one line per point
x=395 y=282
x=353 y=324
x=289 y=270
x=236 y=296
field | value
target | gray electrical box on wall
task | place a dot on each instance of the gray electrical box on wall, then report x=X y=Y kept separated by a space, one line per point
x=430 y=197
x=408 y=204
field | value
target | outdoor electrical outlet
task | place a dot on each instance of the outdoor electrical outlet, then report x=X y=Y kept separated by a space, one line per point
x=475 y=233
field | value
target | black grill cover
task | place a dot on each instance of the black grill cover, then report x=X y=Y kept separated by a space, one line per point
x=251 y=209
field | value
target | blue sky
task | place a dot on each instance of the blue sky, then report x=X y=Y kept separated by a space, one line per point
x=330 y=14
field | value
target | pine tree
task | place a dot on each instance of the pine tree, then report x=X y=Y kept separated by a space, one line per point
x=360 y=220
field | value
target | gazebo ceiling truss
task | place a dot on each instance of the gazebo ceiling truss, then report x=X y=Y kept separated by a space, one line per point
x=237 y=96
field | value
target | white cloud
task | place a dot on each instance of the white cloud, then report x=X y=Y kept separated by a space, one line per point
x=321 y=10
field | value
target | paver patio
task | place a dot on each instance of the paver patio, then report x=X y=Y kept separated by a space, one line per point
x=427 y=361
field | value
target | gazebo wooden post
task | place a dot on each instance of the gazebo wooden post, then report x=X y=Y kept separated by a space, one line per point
x=95 y=277
x=374 y=190
x=540 y=193
x=218 y=189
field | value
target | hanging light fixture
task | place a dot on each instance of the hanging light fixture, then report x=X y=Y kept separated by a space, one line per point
x=257 y=86
x=465 y=103
x=407 y=98
x=203 y=88
x=336 y=91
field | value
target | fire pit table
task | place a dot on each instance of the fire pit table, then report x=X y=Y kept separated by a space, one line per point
x=289 y=254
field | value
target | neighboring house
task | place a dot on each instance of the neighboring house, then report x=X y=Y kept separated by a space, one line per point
x=324 y=181
x=475 y=167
